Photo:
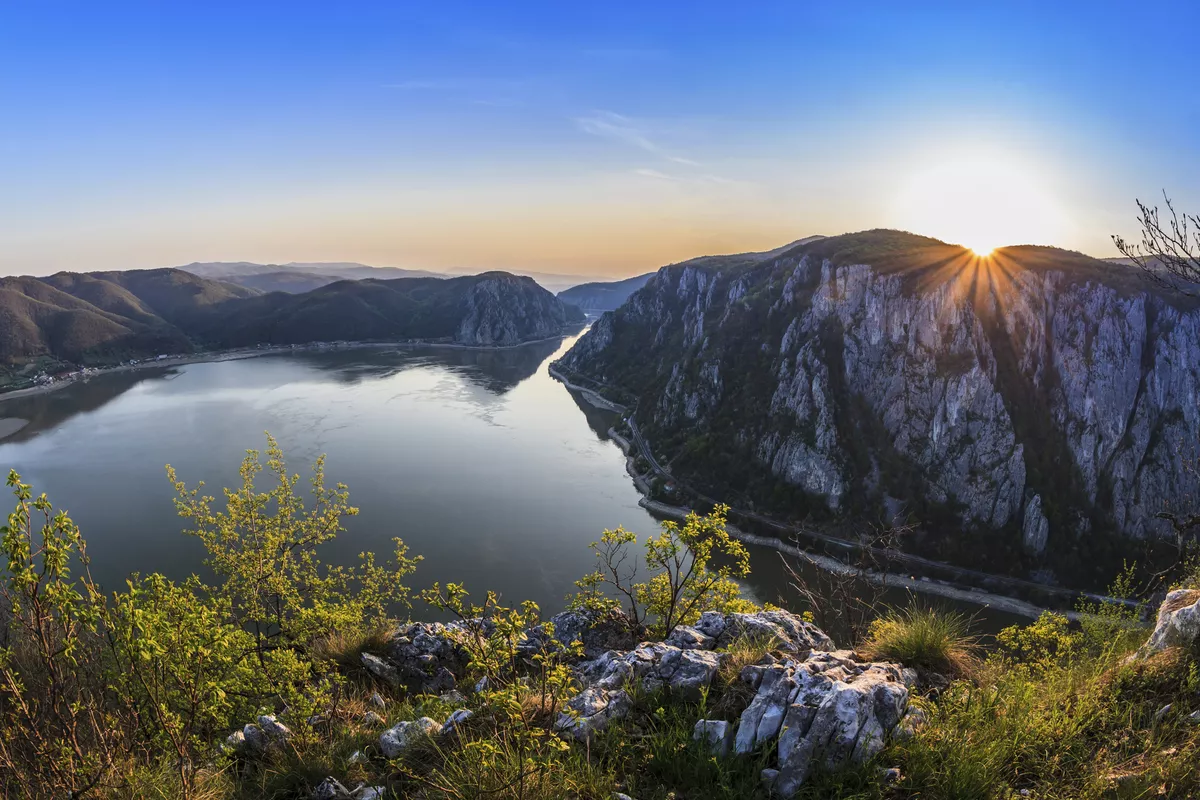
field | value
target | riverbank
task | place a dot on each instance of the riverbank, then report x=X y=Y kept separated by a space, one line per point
x=243 y=353
x=924 y=584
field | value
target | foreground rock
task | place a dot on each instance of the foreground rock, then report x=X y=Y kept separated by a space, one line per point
x=685 y=663
x=828 y=710
x=1178 y=623
x=427 y=656
x=818 y=706
x=397 y=739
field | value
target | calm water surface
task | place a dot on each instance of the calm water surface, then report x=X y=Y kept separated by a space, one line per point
x=479 y=460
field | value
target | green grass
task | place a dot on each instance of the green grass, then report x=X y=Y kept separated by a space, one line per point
x=923 y=638
x=1071 y=721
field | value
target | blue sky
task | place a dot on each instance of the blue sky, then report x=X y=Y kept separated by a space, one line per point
x=586 y=138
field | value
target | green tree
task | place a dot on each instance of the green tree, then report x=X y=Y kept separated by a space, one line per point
x=263 y=549
x=693 y=568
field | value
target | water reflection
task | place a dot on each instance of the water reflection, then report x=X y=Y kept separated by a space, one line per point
x=497 y=371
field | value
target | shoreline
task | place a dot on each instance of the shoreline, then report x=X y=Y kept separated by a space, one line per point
x=240 y=354
x=933 y=586
x=890 y=580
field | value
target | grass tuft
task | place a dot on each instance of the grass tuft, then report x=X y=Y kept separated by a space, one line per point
x=924 y=638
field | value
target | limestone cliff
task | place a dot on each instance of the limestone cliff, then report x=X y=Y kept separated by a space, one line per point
x=503 y=309
x=1038 y=392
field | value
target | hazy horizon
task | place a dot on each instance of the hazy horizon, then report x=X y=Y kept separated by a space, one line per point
x=601 y=142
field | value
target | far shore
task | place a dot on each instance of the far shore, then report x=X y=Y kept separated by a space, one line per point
x=242 y=353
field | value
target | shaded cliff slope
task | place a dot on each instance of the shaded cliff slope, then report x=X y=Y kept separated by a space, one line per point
x=1040 y=406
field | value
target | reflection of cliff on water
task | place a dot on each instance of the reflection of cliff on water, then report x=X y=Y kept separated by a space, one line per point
x=598 y=419
x=498 y=370
x=50 y=409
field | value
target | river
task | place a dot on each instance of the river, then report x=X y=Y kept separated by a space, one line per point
x=480 y=461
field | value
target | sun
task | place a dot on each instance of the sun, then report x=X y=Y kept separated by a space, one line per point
x=979 y=199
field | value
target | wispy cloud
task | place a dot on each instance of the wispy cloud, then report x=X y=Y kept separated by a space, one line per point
x=619 y=128
x=653 y=173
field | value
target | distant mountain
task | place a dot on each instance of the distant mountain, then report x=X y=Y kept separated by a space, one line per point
x=101 y=317
x=494 y=308
x=602 y=296
x=105 y=316
x=1031 y=409
x=598 y=297
x=297 y=277
x=285 y=280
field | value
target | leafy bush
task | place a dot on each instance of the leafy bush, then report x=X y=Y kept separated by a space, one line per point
x=694 y=568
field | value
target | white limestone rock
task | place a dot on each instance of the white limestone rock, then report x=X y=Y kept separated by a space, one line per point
x=1178 y=623
x=717 y=733
x=398 y=738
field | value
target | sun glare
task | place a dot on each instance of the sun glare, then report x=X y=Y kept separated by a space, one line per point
x=981 y=201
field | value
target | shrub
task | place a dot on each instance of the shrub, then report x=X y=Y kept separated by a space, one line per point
x=54 y=731
x=263 y=549
x=694 y=568
x=924 y=638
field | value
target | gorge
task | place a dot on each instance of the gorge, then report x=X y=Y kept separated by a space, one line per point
x=1035 y=411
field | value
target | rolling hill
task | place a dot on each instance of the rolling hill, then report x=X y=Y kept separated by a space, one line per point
x=102 y=317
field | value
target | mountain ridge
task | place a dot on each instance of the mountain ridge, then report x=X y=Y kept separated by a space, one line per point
x=102 y=317
x=1018 y=404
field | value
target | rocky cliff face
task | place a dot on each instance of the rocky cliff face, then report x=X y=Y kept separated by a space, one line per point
x=504 y=309
x=1040 y=392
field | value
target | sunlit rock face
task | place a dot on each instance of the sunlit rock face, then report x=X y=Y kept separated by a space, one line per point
x=503 y=309
x=1045 y=402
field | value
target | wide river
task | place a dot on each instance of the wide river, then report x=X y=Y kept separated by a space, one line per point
x=478 y=459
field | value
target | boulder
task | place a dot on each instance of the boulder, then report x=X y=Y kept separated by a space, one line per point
x=372 y=718
x=717 y=733
x=420 y=651
x=657 y=665
x=835 y=711
x=369 y=793
x=381 y=670
x=457 y=718
x=686 y=637
x=598 y=631
x=1178 y=623
x=254 y=738
x=330 y=789
x=274 y=728
x=793 y=634
x=377 y=700
x=397 y=739
x=591 y=710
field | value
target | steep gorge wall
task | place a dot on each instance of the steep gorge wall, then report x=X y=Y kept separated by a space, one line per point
x=1035 y=402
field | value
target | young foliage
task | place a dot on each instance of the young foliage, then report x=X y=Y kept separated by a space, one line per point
x=524 y=677
x=693 y=568
x=54 y=733
x=263 y=548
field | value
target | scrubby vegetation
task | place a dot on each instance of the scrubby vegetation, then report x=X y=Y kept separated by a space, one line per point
x=132 y=693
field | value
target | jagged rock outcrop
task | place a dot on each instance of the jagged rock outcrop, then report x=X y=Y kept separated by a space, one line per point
x=818 y=706
x=825 y=710
x=1041 y=392
x=1178 y=623
x=504 y=309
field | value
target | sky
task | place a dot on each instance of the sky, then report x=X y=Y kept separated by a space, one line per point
x=600 y=139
